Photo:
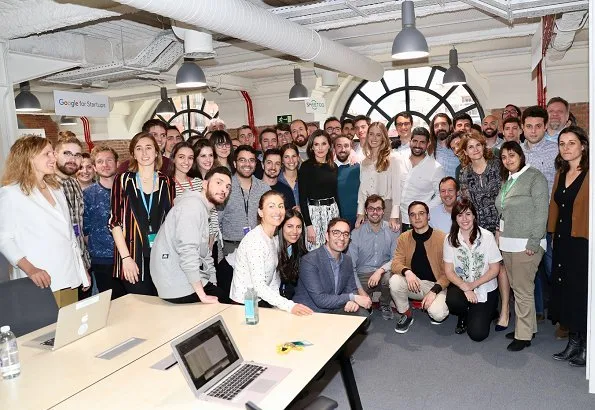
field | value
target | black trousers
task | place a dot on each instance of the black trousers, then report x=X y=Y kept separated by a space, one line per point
x=479 y=315
x=209 y=289
x=104 y=278
x=145 y=285
x=224 y=276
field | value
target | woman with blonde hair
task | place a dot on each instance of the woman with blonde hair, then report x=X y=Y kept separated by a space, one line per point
x=380 y=175
x=141 y=198
x=36 y=234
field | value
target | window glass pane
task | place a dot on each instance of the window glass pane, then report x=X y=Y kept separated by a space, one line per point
x=421 y=101
x=374 y=90
x=393 y=104
x=358 y=106
x=394 y=79
x=419 y=76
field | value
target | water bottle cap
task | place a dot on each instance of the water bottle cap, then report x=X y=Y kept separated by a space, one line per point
x=4 y=329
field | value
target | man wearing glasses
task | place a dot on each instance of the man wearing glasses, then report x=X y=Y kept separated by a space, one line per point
x=238 y=216
x=332 y=126
x=327 y=283
x=371 y=249
x=403 y=123
x=418 y=270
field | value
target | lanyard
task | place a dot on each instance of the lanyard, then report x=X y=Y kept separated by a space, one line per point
x=181 y=187
x=246 y=200
x=142 y=195
x=506 y=189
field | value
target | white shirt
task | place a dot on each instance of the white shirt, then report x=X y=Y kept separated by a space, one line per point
x=387 y=184
x=471 y=263
x=420 y=183
x=256 y=266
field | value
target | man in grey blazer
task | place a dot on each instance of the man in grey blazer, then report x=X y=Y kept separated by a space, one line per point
x=326 y=282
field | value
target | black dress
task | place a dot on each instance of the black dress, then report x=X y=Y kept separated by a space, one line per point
x=568 y=302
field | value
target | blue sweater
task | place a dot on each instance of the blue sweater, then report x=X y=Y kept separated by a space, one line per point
x=95 y=223
x=347 y=187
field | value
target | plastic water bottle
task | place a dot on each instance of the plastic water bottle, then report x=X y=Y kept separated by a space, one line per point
x=251 y=306
x=9 y=354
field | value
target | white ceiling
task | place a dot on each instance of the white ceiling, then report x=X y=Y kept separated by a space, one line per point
x=100 y=35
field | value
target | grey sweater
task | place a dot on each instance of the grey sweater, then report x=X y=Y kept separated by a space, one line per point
x=180 y=255
x=525 y=208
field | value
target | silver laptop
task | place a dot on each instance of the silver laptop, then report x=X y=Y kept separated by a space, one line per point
x=215 y=370
x=76 y=321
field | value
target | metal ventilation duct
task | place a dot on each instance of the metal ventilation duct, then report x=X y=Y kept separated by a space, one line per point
x=246 y=21
x=566 y=28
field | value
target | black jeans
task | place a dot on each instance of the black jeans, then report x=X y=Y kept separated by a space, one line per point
x=224 y=276
x=104 y=278
x=209 y=289
x=479 y=315
x=145 y=285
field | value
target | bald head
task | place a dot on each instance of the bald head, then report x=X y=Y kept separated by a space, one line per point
x=489 y=126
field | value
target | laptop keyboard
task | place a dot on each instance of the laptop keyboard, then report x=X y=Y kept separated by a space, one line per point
x=234 y=385
x=49 y=342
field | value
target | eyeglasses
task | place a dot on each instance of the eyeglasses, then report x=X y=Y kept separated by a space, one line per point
x=222 y=145
x=71 y=154
x=330 y=130
x=246 y=160
x=371 y=209
x=337 y=234
x=403 y=124
x=510 y=112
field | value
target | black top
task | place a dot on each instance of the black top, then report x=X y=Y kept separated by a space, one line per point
x=315 y=181
x=420 y=264
x=289 y=200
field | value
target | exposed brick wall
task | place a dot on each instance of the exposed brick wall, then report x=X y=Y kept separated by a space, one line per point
x=120 y=146
x=41 y=121
x=580 y=111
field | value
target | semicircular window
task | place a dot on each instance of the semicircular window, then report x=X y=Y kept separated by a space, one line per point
x=193 y=113
x=417 y=90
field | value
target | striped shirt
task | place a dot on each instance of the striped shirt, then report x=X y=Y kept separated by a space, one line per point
x=74 y=197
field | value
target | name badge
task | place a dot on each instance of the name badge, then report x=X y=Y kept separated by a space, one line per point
x=501 y=228
x=76 y=229
x=246 y=229
x=152 y=239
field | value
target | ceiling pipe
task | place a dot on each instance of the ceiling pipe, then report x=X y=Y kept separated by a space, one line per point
x=248 y=22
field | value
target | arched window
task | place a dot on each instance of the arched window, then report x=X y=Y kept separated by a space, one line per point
x=193 y=113
x=416 y=90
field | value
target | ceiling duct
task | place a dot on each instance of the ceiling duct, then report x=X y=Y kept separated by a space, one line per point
x=249 y=22
x=566 y=28
x=197 y=44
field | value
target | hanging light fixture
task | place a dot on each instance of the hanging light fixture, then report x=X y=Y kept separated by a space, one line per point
x=454 y=75
x=26 y=101
x=165 y=107
x=410 y=43
x=64 y=120
x=298 y=92
x=190 y=75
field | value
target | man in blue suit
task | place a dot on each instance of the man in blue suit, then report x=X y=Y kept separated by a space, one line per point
x=327 y=283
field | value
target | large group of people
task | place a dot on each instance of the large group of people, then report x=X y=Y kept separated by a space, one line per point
x=447 y=219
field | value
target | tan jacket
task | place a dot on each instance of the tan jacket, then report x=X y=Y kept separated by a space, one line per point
x=580 y=210
x=434 y=248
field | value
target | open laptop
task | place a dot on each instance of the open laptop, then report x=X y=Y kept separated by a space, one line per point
x=215 y=370
x=76 y=321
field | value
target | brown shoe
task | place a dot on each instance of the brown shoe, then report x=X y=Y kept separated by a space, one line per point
x=540 y=317
x=561 y=332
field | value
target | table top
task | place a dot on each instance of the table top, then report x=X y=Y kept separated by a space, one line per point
x=138 y=386
x=49 y=377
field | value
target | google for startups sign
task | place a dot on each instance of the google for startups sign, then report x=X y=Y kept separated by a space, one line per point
x=81 y=104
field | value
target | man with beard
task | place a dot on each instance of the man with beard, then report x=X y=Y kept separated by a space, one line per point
x=348 y=127
x=347 y=179
x=272 y=167
x=558 y=112
x=68 y=161
x=361 y=123
x=440 y=129
x=440 y=215
x=217 y=124
x=403 y=123
x=299 y=133
x=283 y=134
x=489 y=128
x=332 y=126
x=420 y=176
x=238 y=216
x=182 y=267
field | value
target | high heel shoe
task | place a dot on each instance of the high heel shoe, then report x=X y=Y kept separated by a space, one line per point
x=500 y=328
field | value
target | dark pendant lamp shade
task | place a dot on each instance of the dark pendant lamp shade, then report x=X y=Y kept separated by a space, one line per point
x=454 y=75
x=190 y=75
x=410 y=43
x=25 y=101
x=165 y=107
x=298 y=92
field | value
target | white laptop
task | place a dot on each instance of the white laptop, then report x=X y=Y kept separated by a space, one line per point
x=215 y=370
x=76 y=321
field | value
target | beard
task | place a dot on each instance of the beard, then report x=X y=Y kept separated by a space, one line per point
x=272 y=174
x=441 y=135
x=342 y=157
x=213 y=199
x=489 y=132
x=63 y=168
x=300 y=141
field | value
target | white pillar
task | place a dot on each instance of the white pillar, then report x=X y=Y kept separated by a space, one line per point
x=8 y=117
x=591 y=297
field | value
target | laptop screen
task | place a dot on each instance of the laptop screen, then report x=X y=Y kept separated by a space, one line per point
x=207 y=353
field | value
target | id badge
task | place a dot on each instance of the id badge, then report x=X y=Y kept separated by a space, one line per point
x=246 y=229
x=152 y=239
x=76 y=229
x=501 y=227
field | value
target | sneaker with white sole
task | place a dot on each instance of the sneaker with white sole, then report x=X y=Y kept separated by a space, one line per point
x=435 y=322
x=404 y=323
x=387 y=312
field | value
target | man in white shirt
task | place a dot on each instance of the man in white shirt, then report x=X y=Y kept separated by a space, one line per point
x=404 y=124
x=440 y=216
x=362 y=123
x=420 y=176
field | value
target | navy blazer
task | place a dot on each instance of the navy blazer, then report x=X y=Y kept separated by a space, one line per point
x=316 y=284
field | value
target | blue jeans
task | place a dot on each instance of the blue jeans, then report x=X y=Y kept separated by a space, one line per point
x=544 y=272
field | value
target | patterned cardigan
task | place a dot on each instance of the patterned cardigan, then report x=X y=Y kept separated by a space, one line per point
x=128 y=212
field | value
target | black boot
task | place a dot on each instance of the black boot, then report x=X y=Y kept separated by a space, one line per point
x=572 y=348
x=461 y=325
x=580 y=358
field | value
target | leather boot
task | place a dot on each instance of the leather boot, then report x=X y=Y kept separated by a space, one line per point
x=580 y=358
x=572 y=348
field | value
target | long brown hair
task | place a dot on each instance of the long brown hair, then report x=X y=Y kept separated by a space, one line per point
x=133 y=165
x=19 y=169
x=383 y=158
x=487 y=152
x=289 y=265
x=310 y=148
x=583 y=138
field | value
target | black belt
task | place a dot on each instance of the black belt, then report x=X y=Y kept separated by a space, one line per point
x=232 y=242
x=324 y=201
